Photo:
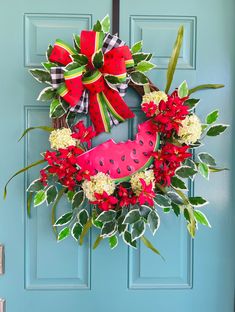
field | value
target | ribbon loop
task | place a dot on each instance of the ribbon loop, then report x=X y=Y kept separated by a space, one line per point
x=91 y=41
x=101 y=88
x=62 y=53
x=94 y=81
x=73 y=80
x=117 y=54
x=68 y=95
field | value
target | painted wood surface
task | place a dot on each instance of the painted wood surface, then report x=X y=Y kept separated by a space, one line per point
x=42 y=275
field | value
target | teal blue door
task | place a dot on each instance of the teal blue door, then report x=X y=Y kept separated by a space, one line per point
x=42 y=275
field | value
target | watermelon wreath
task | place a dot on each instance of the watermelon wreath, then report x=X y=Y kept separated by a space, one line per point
x=118 y=187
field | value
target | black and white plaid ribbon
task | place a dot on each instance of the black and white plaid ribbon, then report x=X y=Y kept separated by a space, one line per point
x=82 y=106
x=122 y=87
x=111 y=42
x=113 y=120
x=57 y=77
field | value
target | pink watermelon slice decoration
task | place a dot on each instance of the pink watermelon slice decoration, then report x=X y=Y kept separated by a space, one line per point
x=121 y=160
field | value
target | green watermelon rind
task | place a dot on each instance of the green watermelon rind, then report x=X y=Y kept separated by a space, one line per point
x=146 y=165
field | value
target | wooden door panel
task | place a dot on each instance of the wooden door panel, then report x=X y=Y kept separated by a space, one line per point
x=192 y=272
x=42 y=275
x=48 y=264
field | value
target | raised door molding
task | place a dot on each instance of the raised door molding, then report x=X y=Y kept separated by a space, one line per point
x=41 y=29
x=48 y=264
x=159 y=33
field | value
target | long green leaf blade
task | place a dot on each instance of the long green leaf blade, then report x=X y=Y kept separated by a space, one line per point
x=150 y=246
x=205 y=86
x=38 y=162
x=29 y=202
x=174 y=58
x=97 y=241
x=85 y=230
x=45 y=128
x=213 y=169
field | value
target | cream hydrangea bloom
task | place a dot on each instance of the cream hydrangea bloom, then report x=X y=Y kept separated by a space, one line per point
x=147 y=176
x=98 y=184
x=61 y=138
x=190 y=130
x=155 y=96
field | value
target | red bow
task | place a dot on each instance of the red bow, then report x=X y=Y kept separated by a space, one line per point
x=97 y=70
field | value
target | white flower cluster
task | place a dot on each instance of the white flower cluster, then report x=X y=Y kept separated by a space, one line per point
x=147 y=176
x=155 y=96
x=98 y=184
x=190 y=130
x=61 y=138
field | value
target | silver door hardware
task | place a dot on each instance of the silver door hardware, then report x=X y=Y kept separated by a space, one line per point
x=2 y=305
x=1 y=260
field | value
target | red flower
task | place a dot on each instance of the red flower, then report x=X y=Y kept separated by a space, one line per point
x=70 y=153
x=170 y=114
x=147 y=194
x=84 y=174
x=50 y=157
x=149 y=109
x=63 y=164
x=69 y=182
x=174 y=153
x=126 y=196
x=82 y=133
x=164 y=174
x=104 y=201
x=43 y=177
x=167 y=160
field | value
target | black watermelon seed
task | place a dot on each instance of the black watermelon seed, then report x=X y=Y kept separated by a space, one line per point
x=101 y=163
x=149 y=132
x=118 y=170
x=108 y=172
x=141 y=142
x=145 y=153
x=123 y=157
x=96 y=171
x=128 y=168
x=134 y=151
x=150 y=143
x=136 y=161
x=111 y=161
